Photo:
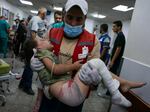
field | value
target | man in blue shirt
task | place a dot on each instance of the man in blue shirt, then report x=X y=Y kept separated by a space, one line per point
x=105 y=43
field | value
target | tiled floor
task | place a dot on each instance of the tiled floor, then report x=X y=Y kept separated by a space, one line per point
x=21 y=102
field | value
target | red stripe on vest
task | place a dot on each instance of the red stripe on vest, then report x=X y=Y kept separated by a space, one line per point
x=85 y=37
x=56 y=35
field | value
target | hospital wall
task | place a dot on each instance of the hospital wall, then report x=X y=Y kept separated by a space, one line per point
x=136 y=65
x=14 y=9
x=89 y=25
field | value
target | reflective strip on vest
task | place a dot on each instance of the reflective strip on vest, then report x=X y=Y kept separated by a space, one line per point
x=54 y=40
x=86 y=44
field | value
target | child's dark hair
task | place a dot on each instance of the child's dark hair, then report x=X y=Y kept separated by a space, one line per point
x=29 y=44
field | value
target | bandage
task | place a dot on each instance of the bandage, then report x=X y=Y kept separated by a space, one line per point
x=70 y=94
x=89 y=75
x=111 y=84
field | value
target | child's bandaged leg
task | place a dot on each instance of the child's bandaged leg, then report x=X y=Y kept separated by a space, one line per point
x=89 y=75
x=111 y=84
x=70 y=94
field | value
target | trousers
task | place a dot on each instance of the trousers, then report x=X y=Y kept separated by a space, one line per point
x=54 y=105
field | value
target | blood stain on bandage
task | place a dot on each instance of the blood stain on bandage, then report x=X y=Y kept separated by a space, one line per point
x=70 y=83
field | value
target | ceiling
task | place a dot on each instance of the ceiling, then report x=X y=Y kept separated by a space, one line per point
x=103 y=7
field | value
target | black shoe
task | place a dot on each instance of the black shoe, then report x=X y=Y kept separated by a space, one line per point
x=20 y=86
x=29 y=91
x=108 y=93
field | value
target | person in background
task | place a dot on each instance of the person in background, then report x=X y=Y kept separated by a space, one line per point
x=58 y=20
x=104 y=53
x=16 y=24
x=72 y=43
x=37 y=24
x=21 y=34
x=118 y=48
x=27 y=25
x=4 y=35
x=95 y=30
x=105 y=43
x=36 y=29
x=58 y=16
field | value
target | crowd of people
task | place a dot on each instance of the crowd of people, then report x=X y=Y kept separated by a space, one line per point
x=68 y=59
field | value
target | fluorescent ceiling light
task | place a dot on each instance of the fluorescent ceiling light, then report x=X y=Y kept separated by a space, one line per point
x=34 y=11
x=98 y=16
x=122 y=8
x=57 y=8
x=26 y=2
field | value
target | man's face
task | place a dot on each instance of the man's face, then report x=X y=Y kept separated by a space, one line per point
x=17 y=21
x=43 y=15
x=115 y=28
x=74 y=17
x=58 y=18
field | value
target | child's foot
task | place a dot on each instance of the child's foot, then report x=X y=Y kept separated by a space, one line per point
x=119 y=99
x=126 y=86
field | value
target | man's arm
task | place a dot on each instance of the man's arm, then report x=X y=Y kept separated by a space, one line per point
x=103 y=52
x=117 y=52
x=106 y=43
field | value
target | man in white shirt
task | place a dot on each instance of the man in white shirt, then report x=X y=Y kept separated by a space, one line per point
x=36 y=29
x=37 y=24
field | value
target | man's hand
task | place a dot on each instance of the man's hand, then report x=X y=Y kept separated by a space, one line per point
x=78 y=64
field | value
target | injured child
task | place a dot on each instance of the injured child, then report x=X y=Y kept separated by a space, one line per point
x=73 y=91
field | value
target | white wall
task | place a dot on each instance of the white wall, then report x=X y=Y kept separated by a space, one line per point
x=138 y=41
x=8 y=6
x=89 y=25
x=51 y=18
x=136 y=65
